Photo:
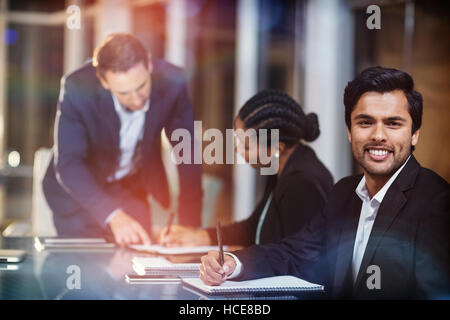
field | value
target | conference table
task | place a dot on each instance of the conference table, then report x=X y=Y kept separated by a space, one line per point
x=46 y=275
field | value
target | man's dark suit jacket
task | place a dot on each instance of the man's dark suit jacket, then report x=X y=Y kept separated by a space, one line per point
x=409 y=242
x=86 y=152
x=300 y=192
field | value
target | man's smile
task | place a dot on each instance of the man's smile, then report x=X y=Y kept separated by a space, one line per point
x=378 y=154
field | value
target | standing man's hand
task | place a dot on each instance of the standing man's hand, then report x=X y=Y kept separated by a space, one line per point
x=127 y=230
x=211 y=272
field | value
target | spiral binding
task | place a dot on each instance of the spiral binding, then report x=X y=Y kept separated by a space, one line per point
x=271 y=290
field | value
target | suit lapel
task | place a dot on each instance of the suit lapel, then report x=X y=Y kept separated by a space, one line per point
x=392 y=203
x=153 y=116
x=107 y=112
x=346 y=242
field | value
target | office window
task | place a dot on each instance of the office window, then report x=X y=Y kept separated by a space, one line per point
x=35 y=66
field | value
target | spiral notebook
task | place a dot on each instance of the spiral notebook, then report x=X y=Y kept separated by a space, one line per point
x=278 y=284
x=160 y=265
x=241 y=296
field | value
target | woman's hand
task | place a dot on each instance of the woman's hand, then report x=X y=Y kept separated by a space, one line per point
x=183 y=236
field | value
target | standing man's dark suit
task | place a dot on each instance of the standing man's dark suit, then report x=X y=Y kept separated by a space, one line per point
x=86 y=154
x=409 y=242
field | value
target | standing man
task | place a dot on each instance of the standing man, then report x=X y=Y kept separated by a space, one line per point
x=107 y=152
x=383 y=234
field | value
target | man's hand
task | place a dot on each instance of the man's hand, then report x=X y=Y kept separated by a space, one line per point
x=126 y=230
x=184 y=236
x=211 y=272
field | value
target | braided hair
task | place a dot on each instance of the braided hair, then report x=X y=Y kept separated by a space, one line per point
x=274 y=109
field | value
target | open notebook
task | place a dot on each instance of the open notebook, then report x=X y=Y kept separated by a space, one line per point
x=159 y=265
x=278 y=284
x=159 y=249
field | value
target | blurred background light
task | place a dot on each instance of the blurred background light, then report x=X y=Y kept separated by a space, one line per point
x=14 y=159
x=10 y=37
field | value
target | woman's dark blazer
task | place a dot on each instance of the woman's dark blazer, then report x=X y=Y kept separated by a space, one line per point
x=298 y=194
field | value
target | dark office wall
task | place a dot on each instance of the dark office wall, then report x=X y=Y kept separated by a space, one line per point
x=277 y=44
x=149 y=25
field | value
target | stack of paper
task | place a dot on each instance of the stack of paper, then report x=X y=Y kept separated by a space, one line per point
x=160 y=266
x=71 y=243
x=160 y=249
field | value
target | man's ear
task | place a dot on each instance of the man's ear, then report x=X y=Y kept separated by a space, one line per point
x=349 y=135
x=281 y=147
x=103 y=81
x=415 y=137
x=150 y=64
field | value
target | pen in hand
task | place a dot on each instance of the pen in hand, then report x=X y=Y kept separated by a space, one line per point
x=219 y=241
x=169 y=223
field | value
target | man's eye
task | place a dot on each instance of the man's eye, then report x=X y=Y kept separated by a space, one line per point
x=364 y=123
x=393 y=124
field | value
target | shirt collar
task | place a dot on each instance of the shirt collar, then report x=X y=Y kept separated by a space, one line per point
x=363 y=193
x=121 y=110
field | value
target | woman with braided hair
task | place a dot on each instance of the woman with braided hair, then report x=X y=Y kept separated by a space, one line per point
x=292 y=196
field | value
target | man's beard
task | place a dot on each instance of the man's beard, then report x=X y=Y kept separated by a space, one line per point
x=372 y=168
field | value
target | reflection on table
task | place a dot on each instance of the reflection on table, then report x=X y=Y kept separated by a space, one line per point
x=48 y=274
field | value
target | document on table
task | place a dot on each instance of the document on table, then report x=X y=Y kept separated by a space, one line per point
x=159 y=249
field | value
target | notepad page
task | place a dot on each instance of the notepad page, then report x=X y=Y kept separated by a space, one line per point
x=278 y=283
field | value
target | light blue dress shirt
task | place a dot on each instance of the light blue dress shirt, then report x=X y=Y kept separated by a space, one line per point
x=131 y=131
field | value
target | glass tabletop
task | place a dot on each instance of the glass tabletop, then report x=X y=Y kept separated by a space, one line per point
x=91 y=274
x=78 y=274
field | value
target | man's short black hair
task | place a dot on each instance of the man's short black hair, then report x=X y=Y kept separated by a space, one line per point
x=382 y=80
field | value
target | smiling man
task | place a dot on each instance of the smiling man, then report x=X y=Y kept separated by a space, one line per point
x=107 y=152
x=383 y=234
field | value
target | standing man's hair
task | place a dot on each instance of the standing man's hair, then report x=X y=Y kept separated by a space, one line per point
x=274 y=109
x=118 y=53
x=382 y=80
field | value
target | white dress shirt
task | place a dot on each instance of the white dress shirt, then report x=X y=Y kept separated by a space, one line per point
x=131 y=131
x=367 y=217
x=238 y=268
x=369 y=211
x=261 y=219
x=237 y=271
